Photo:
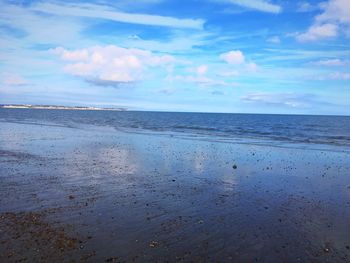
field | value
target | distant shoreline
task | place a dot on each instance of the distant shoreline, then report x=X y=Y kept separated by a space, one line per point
x=55 y=107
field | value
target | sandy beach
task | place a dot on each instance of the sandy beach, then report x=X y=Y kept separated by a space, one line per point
x=94 y=194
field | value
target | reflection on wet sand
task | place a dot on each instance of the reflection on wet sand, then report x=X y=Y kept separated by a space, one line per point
x=113 y=196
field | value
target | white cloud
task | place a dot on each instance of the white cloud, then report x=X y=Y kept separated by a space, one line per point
x=234 y=57
x=202 y=69
x=111 y=65
x=32 y=25
x=104 y=12
x=339 y=76
x=306 y=7
x=260 y=5
x=274 y=40
x=199 y=80
x=251 y=67
x=336 y=11
x=291 y=100
x=317 y=32
x=11 y=79
x=229 y=73
x=70 y=28
x=331 y=62
x=334 y=19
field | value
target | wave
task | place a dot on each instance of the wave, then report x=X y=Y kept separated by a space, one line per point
x=329 y=130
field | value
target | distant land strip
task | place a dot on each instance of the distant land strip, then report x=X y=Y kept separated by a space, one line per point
x=56 y=107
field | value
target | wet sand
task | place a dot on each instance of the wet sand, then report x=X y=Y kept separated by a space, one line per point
x=93 y=194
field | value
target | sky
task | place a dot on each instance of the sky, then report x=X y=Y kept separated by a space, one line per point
x=235 y=56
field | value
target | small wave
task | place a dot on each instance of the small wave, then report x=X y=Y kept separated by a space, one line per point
x=286 y=129
x=195 y=128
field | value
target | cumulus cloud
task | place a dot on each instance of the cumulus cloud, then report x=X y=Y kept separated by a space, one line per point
x=336 y=11
x=200 y=77
x=335 y=18
x=317 y=32
x=234 y=57
x=111 y=65
x=237 y=58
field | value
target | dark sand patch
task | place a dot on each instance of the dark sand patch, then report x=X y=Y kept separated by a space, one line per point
x=29 y=237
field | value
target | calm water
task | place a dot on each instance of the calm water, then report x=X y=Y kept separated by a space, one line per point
x=288 y=129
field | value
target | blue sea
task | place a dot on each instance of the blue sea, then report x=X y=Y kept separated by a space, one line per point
x=242 y=128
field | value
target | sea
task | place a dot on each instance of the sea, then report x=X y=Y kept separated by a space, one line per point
x=310 y=131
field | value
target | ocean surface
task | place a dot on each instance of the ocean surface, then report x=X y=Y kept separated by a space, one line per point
x=301 y=130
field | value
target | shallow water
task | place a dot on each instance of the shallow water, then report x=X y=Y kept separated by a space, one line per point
x=149 y=198
x=257 y=128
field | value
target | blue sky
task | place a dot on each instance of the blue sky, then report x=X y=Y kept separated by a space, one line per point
x=247 y=56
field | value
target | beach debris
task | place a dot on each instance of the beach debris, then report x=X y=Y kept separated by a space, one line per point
x=153 y=244
x=234 y=166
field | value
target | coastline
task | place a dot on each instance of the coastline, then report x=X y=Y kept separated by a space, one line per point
x=54 y=107
x=107 y=195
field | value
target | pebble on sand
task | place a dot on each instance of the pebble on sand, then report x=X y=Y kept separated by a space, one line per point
x=153 y=244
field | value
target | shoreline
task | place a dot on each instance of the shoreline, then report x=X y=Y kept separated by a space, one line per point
x=203 y=112
x=53 y=107
x=112 y=196
x=263 y=142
